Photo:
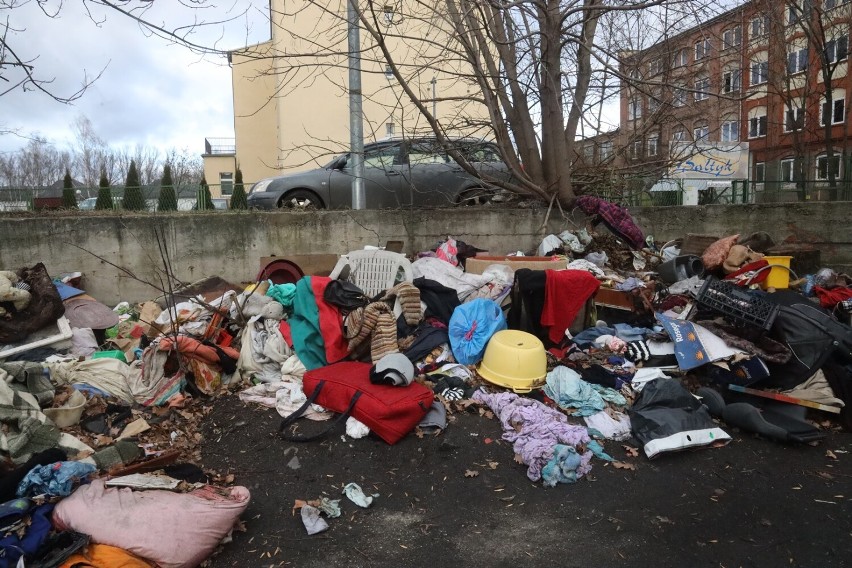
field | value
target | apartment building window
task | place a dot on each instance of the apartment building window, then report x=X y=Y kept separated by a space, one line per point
x=654 y=101
x=831 y=4
x=702 y=49
x=730 y=130
x=788 y=170
x=390 y=129
x=605 y=151
x=794 y=119
x=653 y=146
x=757 y=122
x=702 y=88
x=826 y=166
x=589 y=153
x=836 y=49
x=655 y=67
x=759 y=171
x=797 y=61
x=731 y=37
x=226 y=183
x=797 y=10
x=835 y=113
x=678 y=135
x=633 y=74
x=759 y=69
x=678 y=96
x=759 y=26
x=388 y=13
x=731 y=80
x=636 y=149
x=701 y=133
x=681 y=58
x=634 y=109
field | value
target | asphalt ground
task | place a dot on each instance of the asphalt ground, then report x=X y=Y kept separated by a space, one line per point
x=460 y=499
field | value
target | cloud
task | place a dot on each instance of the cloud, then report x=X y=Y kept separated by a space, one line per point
x=150 y=92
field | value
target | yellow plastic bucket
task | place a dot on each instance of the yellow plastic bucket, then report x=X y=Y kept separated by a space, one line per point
x=779 y=274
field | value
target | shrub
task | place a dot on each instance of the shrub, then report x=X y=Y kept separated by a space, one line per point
x=205 y=200
x=168 y=198
x=69 y=200
x=104 y=202
x=133 y=199
x=238 y=199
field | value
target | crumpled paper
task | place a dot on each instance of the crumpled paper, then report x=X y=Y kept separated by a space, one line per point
x=355 y=494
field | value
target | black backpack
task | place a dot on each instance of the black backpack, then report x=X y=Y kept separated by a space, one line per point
x=812 y=334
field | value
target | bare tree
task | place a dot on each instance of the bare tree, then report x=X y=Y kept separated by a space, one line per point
x=532 y=75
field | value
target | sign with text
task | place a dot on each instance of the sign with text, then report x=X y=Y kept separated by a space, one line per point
x=722 y=161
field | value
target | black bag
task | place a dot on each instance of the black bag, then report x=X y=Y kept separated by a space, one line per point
x=813 y=336
x=44 y=309
x=345 y=295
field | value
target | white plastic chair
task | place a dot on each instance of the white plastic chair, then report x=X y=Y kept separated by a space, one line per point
x=373 y=271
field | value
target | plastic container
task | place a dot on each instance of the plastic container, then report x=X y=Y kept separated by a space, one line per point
x=737 y=304
x=114 y=354
x=779 y=274
x=681 y=268
x=515 y=360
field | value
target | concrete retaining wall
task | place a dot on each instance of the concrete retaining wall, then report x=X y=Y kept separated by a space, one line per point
x=114 y=252
x=826 y=226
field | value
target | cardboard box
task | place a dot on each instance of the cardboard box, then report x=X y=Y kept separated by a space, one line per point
x=478 y=264
x=611 y=298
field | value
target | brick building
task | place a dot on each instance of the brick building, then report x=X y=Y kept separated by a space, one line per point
x=767 y=78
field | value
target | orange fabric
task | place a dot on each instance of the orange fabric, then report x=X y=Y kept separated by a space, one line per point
x=195 y=349
x=104 y=556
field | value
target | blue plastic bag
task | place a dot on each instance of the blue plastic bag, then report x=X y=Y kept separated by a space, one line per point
x=471 y=326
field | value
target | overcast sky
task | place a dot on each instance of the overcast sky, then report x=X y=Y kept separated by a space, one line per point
x=150 y=93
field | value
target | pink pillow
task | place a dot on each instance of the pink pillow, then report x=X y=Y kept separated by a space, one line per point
x=175 y=530
x=716 y=253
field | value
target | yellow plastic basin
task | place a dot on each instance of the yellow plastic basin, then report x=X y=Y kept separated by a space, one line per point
x=515 y=360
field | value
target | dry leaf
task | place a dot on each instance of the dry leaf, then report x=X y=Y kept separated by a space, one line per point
x=489 y=415
x=825 y=475
x=493 y=465
x=519 y=459
x=623 y=465
x=419 y=432
x=830 y=454
x=471 y=473
x=229 y=478
x=631 y=451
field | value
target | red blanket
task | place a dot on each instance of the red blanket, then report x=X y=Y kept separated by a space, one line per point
x=565 y=292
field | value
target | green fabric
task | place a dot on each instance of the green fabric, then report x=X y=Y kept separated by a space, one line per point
x=121 y=452
x=284 y=294
x=304 y=327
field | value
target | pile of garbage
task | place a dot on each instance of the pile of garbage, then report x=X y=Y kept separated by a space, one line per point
x=596 y=336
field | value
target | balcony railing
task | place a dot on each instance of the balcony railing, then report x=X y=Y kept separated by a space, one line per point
x=220 y=146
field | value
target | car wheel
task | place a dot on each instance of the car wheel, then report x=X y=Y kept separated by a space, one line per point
x=300 y=200
x=475 y=196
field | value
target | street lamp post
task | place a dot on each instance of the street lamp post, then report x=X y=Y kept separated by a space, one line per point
x=356 y=123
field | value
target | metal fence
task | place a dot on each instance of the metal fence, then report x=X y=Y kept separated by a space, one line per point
x=637 y=193
x=33 y=199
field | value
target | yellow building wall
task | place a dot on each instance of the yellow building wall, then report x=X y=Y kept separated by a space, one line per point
x=256 y=126
x=291 y=103
x=215 y=165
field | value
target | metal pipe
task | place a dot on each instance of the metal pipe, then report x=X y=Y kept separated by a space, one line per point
x=434 y=98
x=356 y=123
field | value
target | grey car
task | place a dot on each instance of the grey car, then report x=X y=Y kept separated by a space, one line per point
x=398 y=173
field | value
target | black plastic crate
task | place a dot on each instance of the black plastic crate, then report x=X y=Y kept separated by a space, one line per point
x=737 y=304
